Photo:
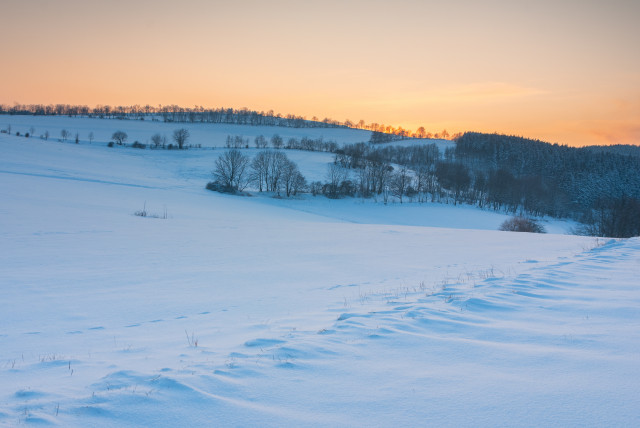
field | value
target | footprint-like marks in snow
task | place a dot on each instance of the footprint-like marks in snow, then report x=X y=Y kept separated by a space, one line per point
x=346 y=315
x=263 y=343
x=286 y=365
x=535 y=296
x=342 y=285
x=92 y=411
x=28 y=394
x=478 y=304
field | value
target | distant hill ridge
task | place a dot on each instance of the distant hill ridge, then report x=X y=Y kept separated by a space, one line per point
x=199 y=114
x=620 y=149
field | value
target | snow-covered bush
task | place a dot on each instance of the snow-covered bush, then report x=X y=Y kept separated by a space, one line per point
x=216 y=186
x=521 y=224
x=138 y=145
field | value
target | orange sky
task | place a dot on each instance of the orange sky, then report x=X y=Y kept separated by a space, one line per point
x=563 y=71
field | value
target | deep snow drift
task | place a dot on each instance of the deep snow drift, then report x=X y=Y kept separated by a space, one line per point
x=254 y=311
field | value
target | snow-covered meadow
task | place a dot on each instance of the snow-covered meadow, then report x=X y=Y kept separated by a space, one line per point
x=255 y=311
x=204 y=134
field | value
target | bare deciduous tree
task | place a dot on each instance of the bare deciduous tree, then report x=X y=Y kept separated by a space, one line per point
x=119 y=137
x=260 y=170
x=336 y=175
x=181 y=136
x=276 y=141
x=422 y=182
x=231 y=170
x=400 y=182
x=268 y=168
x=260 y=142
x=292 y=180
x=237 y=142
x=276 y=163
x=380 y=173
x=156 y=139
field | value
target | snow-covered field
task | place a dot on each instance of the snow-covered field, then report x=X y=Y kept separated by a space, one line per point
x=254 y=311
x=204 y=134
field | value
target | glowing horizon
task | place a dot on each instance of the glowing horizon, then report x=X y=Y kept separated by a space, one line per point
x=565 y=73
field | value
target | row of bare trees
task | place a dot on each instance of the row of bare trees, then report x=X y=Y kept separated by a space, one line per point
x=277 y=142
x=270 y=171
x=180 y=136
x=200 y=114
x=65 y=134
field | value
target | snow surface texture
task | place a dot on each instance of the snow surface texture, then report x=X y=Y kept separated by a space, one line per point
x=254 y=311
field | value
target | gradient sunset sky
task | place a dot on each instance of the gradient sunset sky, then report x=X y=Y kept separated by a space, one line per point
x=561 y=71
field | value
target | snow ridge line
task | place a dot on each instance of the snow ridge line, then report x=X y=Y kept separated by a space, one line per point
x=88 y=180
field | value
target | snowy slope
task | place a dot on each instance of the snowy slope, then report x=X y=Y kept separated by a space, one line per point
x=251 y=311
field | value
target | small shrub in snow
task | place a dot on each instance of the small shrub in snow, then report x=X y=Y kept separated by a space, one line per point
x=138 y=145
x=521 y=224
x=144 y=213
x=216 y=186
x=316 y=188
x=141 y=213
